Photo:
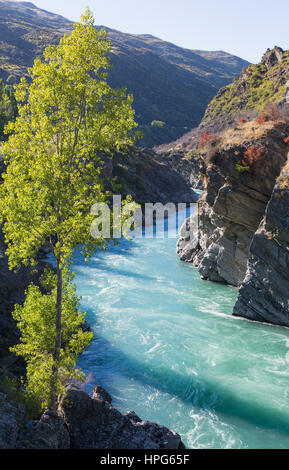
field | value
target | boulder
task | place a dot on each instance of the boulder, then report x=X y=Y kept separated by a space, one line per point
x=47 y=433
x=93 y=423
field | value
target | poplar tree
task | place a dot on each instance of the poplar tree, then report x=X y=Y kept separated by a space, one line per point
x=68 y=118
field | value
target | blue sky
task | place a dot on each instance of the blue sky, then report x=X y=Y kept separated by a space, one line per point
x=245 y=28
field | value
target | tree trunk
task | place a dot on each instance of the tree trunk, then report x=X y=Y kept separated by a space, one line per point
x=57 y=350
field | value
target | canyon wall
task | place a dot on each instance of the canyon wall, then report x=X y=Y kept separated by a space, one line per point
x=264 y=293
x=243 y=226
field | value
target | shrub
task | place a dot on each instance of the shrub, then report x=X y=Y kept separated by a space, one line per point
x=158 y=124
x=286 y=140
x=252 y=156
x=205 y=138
x=242 y=121
x=262 y=118
x=242 y=169
x=272 y=112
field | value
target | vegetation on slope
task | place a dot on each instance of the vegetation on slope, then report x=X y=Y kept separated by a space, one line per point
x=67 y=115
x=258 y=85
x=169 y=83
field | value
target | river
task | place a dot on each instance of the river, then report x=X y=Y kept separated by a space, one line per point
x=167 y=347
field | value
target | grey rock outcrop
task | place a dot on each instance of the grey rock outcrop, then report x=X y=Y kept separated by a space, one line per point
x=47 y=433
x=11 y=422
x=240 y=233
x=264 y=294
x=230 y=211
x=93 y=423
x=272 y=57
x=82 y=422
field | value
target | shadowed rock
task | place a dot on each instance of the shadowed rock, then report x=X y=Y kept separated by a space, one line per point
x=93 y=423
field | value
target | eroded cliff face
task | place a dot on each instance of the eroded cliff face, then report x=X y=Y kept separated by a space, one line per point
x=233 y=204
x=264 y=294
x=243 y=227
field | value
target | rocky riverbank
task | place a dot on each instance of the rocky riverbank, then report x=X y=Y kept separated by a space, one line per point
x=82 y=422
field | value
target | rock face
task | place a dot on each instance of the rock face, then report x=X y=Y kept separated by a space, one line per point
x=47 y=433
x=264 y=294
x=11 y=422
x=273 y=57
x=93 y=423
x=232 y=207
x=82 y=422
x=240 y=233
x=149 y=177
x=183 y=163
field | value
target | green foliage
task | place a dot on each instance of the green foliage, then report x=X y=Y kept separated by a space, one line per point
x=68 y=117
x=67 y=114
x=158 y=124
x=8 y=107
x=256 y=87
x=36 y=321
x=241 y=168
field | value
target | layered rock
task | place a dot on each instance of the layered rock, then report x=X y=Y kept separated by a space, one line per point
x=264 y=294
x=234 y=203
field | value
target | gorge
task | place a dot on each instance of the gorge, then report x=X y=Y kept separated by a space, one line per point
x=243 y=215
x=174 y=339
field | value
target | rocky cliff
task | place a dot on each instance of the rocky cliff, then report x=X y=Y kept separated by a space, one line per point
x=264 y=294
x=240 y=233
x=233 y=203
x=242 y=236
x=82 y=422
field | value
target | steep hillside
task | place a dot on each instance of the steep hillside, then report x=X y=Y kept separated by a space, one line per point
x=240 y=234
x=171 y=85
x=258 y=84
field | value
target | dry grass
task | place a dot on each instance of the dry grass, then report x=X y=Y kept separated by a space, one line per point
x=243 y=133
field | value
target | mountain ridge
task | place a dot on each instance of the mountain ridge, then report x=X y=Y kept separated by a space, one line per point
x=170 y=84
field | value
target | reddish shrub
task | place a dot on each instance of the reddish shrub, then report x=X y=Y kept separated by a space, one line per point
x=286 y=140
x=272 y=112
x=242 y=121
x=205 y=138
x=262 y=118
x=252 y=156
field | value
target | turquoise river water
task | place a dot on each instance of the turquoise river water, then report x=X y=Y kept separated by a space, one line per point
x=167 y=347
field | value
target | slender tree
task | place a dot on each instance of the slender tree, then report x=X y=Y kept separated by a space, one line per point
x=68 y=118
